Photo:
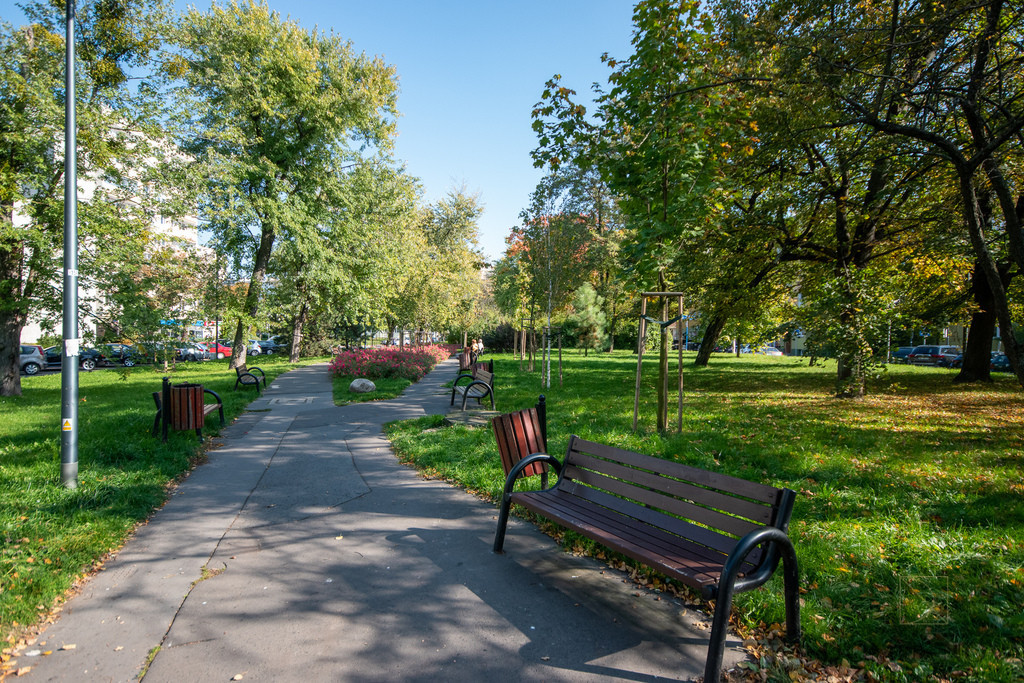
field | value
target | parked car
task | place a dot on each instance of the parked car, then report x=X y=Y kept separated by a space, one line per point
x=254 y=348
x=192 y=352
x=31 y=359
x=217 y=350
x=88 y=359
x=933 y=355
x=900 y=354
x=271 y=346
x=119 y=353
x=1000 y=363
x=769 y=351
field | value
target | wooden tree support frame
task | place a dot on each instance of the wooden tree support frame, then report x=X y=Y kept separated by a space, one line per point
x=527 y=343
x=641 y=338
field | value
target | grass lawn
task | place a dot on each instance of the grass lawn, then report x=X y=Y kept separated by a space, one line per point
x=909 y=519
x=49 y=535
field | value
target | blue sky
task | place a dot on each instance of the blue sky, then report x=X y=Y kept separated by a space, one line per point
x=470 y=72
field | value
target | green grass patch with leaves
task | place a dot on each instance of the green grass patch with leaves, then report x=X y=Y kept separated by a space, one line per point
x=50 y=535
x=909 y=519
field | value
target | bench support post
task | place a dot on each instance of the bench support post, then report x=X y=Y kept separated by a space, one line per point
x=506 y=496
x=727 y=586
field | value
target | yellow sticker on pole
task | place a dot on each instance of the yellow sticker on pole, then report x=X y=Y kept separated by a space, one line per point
x=65 y=425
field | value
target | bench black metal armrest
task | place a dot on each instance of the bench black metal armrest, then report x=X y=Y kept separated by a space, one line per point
x=728 y=584
x=220 y=403
x=510 y=482
x=263 y=375
x=487 y=390
x=513 y=473
x=455 y=385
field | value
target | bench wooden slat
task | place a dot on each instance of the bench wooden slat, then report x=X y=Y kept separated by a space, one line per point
x=669 y=543
x=754 y=511
x=518 y=435
x=669 y=468
x=676 y=557
x=710 y=538
x=667 y=506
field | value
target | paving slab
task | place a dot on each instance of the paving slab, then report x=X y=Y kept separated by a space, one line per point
x=303 y=551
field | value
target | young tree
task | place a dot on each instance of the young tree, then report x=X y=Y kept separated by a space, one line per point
x=589 y=318
x=271 y=113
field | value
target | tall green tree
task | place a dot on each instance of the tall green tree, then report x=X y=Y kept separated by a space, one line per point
x=361 y=250
x=116 y=136
x=944 y=82
x=271 y=113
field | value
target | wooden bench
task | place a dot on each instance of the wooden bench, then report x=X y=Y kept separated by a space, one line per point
x=246 y=376
x=719 y=534
x=520 y=435
x=166 y=419
x=466 y=360
x=480 y=386
x=468 y=364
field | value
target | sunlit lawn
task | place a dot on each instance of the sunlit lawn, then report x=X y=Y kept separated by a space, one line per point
x=909 y=521
x=49 y=535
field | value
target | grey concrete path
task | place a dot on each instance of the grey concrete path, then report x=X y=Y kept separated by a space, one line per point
x=303 y=551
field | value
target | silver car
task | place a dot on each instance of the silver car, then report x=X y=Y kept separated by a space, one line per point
x=32 y=359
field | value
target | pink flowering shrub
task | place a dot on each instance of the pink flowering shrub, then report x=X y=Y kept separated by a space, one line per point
x=410 y=363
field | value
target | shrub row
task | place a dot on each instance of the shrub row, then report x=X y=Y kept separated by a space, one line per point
x=410 y=363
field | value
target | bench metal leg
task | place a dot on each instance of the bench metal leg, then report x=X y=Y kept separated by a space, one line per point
x=499 y=535
x=726 y=588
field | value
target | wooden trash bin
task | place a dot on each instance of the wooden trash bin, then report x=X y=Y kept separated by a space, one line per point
x=186 y=406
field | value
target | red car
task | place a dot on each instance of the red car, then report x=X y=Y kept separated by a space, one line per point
x=217 y=350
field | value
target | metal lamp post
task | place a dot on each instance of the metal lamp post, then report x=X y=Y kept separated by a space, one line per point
x=72 y=342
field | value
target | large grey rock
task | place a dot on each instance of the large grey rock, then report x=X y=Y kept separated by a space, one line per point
x=362 y=386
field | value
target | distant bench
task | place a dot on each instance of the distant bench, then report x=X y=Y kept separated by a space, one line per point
x=480 y=386
x=246 y=377
x=719 y=534
x=468 y=364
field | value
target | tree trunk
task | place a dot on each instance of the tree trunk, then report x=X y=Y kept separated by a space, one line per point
x=12 y=316
x=1000 y=305
x=611 y=336
x=297 y=325
x=252 y=296
x=977 y=362
x=10 y=352
x=712 y=331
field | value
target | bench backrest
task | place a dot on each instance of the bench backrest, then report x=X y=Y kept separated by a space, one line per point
x=485 y=377
x=241 y=369
x=466 y=359
x=714 y=510
x=518 y=435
